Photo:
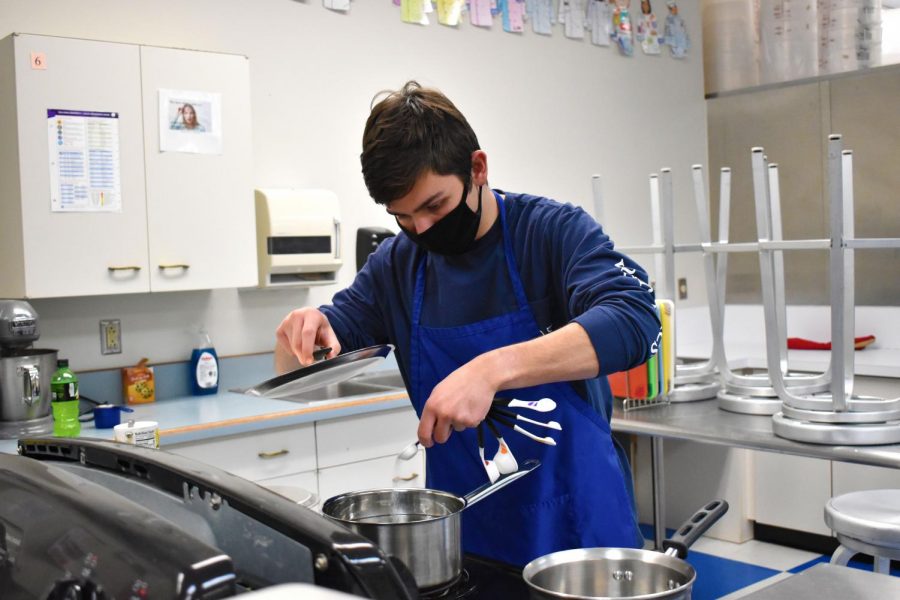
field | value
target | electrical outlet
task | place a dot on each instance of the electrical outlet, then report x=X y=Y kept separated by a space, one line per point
x=682 y=288
x=110 y=336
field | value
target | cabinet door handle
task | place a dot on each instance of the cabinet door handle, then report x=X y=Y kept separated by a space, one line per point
x=408 y=478
x=124 y=268
x=273 y=453
x=175 y=266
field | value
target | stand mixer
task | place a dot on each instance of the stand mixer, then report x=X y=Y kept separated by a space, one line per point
x=24 y=373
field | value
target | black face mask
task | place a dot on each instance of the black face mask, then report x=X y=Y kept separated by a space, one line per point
x=454 y=234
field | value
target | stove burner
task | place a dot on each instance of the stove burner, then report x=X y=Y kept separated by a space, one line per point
x=460 y=587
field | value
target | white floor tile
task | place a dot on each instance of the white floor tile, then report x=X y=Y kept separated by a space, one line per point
x=715 y=547
x=755 y=587
x=772 y=556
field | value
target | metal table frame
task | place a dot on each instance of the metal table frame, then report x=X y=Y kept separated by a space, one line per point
x=704 y=422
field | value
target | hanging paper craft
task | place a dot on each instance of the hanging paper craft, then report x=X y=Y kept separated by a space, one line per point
x=676 y=37
x=513 y=15
x=341 y=5
x=622 y=28
x=647 y=31
x=480 y=13
x=599 y=21
x=449 y=12
x=571 y=15
x=541 y=14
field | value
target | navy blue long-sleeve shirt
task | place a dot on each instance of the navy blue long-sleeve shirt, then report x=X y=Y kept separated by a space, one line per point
x=569 y=269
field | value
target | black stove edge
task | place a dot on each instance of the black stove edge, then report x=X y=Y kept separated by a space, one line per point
x=353 y=564
x=495 y=580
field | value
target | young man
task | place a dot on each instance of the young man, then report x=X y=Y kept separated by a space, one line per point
x=490 y=294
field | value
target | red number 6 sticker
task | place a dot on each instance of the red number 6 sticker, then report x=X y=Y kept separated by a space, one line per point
x=38 y=61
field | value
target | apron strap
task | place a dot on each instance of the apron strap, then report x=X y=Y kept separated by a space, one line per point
x=419 y=293
x=511 y=266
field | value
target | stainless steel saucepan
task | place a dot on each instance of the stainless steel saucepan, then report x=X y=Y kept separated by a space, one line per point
x=419 y=526
x=606 y=573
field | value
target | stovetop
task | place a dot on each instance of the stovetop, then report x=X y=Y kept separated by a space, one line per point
x=482 y=578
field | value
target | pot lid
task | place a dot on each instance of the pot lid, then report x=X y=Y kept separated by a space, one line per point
x=322 y=373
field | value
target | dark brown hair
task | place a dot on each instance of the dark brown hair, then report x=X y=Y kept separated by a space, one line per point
x=411 y=131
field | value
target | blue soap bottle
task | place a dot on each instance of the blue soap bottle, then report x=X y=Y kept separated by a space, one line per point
x=204 y=366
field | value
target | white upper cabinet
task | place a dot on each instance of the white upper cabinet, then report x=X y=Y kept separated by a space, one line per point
x=46 y=253
x=182 y=220
x=200 y=207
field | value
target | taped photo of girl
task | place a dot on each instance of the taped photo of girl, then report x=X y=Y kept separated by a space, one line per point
x=185 y=117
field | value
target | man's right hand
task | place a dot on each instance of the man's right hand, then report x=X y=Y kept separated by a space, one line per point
x=298 y=336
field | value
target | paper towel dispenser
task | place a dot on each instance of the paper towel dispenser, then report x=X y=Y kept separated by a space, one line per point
x=298 y=236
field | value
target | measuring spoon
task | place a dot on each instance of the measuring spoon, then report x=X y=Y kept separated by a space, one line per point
x=518 y=417
x=504 y=459
x=490 y=467
x=504 y=421
x=542 y=405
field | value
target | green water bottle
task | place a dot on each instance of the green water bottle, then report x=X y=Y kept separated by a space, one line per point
x=64 y=397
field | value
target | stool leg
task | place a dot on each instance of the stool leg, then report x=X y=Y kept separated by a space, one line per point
x=842 y=556
x=882 y=565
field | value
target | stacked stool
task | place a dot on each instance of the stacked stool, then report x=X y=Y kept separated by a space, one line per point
x=866 y=522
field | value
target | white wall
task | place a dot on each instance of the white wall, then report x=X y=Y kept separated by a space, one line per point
x=548 y=110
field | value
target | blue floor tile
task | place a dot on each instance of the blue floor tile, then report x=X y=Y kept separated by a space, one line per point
x=717 y=577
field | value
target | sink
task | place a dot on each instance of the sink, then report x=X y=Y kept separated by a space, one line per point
x=361 y=385
x=388 y=379
x=335 y=391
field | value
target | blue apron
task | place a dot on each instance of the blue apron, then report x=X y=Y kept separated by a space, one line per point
x=577 y=498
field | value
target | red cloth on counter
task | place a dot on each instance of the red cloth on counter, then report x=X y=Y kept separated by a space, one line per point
x=796 y=343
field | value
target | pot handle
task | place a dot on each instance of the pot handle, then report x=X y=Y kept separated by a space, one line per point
x=487 y=489
x=694 y=527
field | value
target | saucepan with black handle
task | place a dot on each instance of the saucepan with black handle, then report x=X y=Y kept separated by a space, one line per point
x=419 y=526
x=623 y=573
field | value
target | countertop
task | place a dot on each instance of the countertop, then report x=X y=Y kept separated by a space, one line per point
x=873 y=362
x=196 y=418
x=192 y=418
x=704 y=421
